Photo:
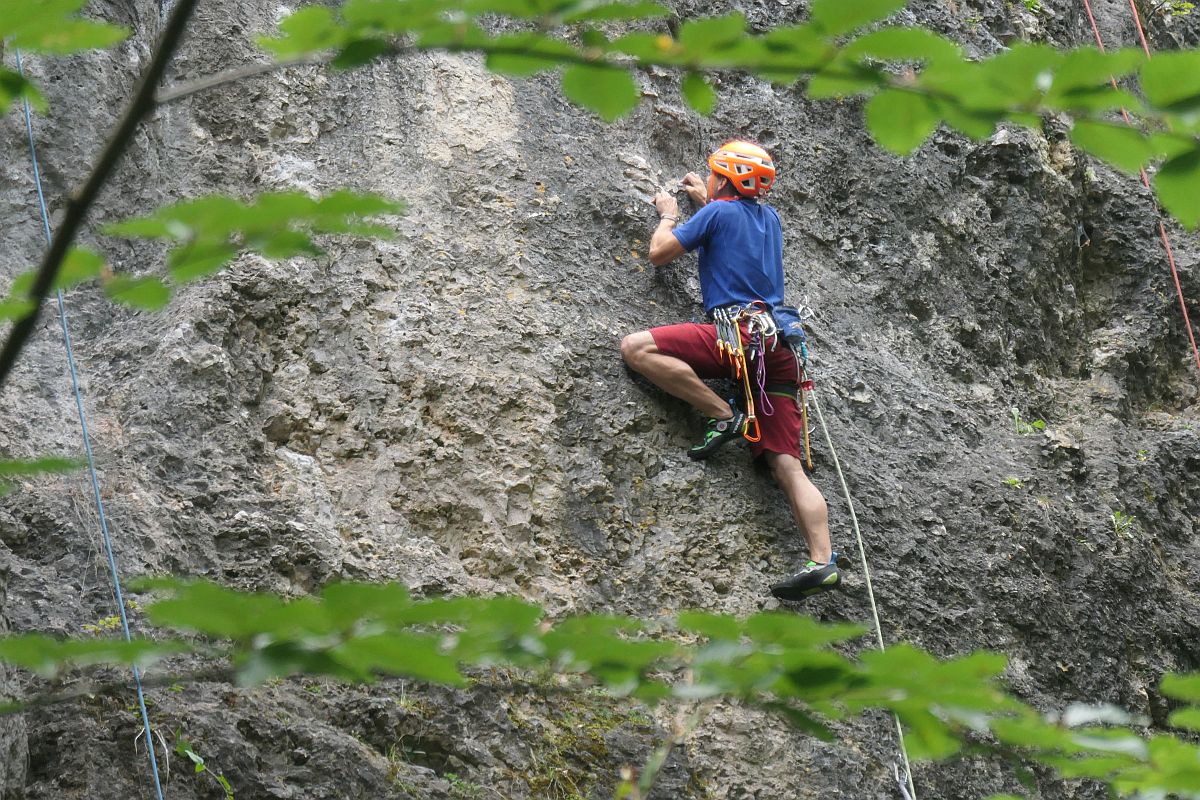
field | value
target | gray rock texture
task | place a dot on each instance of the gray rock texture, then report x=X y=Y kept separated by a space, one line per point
x=449 y=409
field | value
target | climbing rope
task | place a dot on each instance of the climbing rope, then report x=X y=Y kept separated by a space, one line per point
x=87 y=447
x=906 y=786
x=1162 y=228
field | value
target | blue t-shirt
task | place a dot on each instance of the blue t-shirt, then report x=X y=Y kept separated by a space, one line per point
x=740 y=245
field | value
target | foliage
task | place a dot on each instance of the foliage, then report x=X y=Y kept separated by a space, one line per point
x=914 y=81
x=12 y=468
x=52 y=28
x=209 y=232
x=1025 y=427
x=1122 y=523
x=184 y=748
x=781 y=662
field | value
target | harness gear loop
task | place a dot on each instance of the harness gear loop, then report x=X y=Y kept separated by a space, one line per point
x=760 y=330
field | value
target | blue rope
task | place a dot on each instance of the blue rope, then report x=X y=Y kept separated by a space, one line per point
x=91 y=461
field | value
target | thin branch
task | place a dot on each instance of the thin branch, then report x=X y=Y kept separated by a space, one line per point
x=180 y=91
x=81 y=201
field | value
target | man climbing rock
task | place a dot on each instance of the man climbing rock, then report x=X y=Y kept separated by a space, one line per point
x=740 y=243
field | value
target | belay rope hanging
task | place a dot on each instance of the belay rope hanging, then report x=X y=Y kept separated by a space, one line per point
x=90 y=459
x=740 y=350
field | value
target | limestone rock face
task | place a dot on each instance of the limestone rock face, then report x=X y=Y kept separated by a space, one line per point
x=449 y=409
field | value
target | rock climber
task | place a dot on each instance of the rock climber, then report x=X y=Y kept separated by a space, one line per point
x=740 y=244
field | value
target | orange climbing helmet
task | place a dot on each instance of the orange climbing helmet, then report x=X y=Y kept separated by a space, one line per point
x=747 y=166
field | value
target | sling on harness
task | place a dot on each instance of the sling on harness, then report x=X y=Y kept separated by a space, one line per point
x=763 y=333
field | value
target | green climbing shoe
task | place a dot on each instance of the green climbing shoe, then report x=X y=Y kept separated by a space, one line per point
x=813 y=579
x=717 y=433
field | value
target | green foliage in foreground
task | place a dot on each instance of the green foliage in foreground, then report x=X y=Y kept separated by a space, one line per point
x=207 y=233
x=914 y=79
x=784 y=663
x=49 y=27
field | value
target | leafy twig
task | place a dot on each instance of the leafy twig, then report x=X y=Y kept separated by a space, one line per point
x=81 y=201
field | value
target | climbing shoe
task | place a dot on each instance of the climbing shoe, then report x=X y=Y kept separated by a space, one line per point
x=717 y=433
x=813 y=579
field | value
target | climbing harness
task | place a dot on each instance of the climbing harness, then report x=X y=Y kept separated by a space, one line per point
x=741 y=349
x=1162 y=228
x=91 y=461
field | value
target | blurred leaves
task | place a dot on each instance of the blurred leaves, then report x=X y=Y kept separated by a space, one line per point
x=783 y=663
x=53 y=27
x=17 y=468
x=207 y=233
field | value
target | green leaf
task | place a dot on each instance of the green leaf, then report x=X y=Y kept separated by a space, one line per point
x=68 y=36
x=359 y=52
x=843 y=78
x=141 y=228
x=1168 y=145
x=527 y=54
x=796 y=630
x=400 y=654
x=904 y=44
x=698 y=93
x=836 y=17
x=396 y=17
x=53 y=26
x=1185 y=718
x=13 y=467
x=196 y=260
x=147 y=293
x=1177 y=183
x=699 y=37
x=15 y=308
x=608 y=91
x=1087 y=68
x=799 y=47
x=521 y=9
x=714 y=626
x=14 y=86
x=209 y=609
x=900 y=121
x=46 y=656
x=1100 y=98
x=1171 y=80
x=344 y=203
x=80 y=264
x=1120 y=145
x=349 y=603
x=1021 y=74
x=1182 y=687
x=311 y=29
x=801 y=721
x=280 y=659
x=283 y=244
x=616 y=11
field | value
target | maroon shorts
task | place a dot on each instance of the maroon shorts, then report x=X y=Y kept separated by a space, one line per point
x=778 y=414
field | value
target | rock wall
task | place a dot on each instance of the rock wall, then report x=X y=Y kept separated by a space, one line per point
x=449 y=409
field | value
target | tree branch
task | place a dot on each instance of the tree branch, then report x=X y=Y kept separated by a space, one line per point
x=81 y=201
x=180 y=91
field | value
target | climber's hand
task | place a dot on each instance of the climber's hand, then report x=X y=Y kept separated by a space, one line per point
x=693 y=184
x=666 y=205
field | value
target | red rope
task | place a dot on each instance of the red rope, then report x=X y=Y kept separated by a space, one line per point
x=1162 y=229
